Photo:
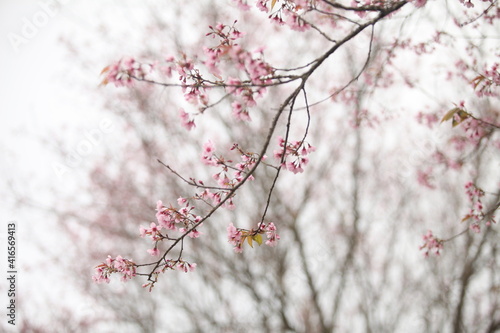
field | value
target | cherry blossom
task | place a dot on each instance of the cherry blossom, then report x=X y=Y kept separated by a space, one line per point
x=294 y=156
x=238 y=236
x=431 y=243
x=226 y=74
x=120 y=265
x=123 y=72
x=186 y=120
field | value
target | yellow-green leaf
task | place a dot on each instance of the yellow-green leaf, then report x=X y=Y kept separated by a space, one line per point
x=104 y=70
x=258 y=238
x=250 y=242
x=477 y=80
x=462 y=116
x=468 y=216
x=273 y=2
x=449 y=115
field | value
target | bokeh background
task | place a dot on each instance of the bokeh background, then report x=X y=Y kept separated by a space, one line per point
x=80 y=175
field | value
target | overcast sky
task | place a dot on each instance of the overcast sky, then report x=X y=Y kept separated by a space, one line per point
x=40 y=103
x=37 y=103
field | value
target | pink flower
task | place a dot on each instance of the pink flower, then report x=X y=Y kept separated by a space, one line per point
x=475 y=227
x=213 y=60
x=207 y=156
x=233 y=235
x=165 y=218
x=185 y=266
x=118 y=265
x=272 y=236
x=261 y=4
x=122 y=72
x=467 y=3
x=295 y=150
x=100 y=276
x=154 y=252
x=431 y=243
x=153 y=231
x=242 y=5
x=229 y=204
x=238 y=248
x=193 y=234
x=186 y=121
x=419 y=3
x=239 y=112
x=424 y=177
x=296 y=23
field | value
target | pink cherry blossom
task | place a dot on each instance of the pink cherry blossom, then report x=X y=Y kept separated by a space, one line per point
x=119 y=264
x=294 y=155
x=186 y=120
x=424 y=178
x=154 y=252
x=272 y=236
x=431 y=243
x=184 y=266
x=207 y=156
x=233 y=235
x=239 y=112
x=124 y=71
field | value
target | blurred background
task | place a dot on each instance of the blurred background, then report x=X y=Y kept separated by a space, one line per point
x=80 y=174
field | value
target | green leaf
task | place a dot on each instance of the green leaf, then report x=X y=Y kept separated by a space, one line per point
x=258 y=238
x=462 y=116
x=250 y=242
x=449 y=115
x=477 y=80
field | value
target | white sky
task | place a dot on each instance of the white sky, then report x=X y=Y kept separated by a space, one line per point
x=35 y=103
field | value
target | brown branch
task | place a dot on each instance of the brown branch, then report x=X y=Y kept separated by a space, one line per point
x=289 y=101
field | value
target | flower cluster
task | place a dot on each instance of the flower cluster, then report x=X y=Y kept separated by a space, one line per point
x=208 y=156
x=474 y=130
x=431 y=243
x=485 y=82
x=231 y=173
x=118 y=265
x=237 y=236
x=124 y=71
x=246 y=78
x=272 y=236
x=169 y=218
x=424 y=178
x=215 y=198
x=187 y=120
x=288 y=13
x=184 y=266
x=467 y=3
x=192 y=82
x=476 y=212
x=170 y=264
x=294 y=156
x=248 y=160
x=258 y=72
